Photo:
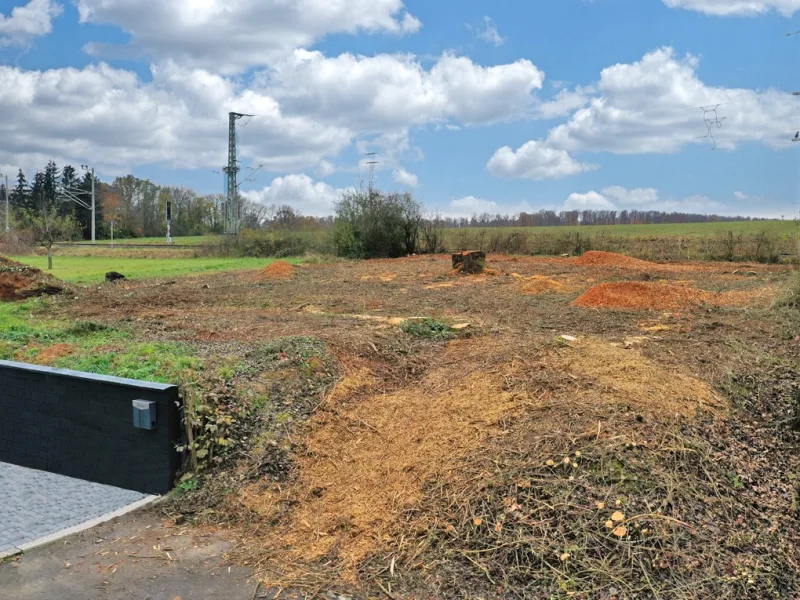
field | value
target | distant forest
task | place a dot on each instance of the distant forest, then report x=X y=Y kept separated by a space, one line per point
x=138 y=209
x=550 y=218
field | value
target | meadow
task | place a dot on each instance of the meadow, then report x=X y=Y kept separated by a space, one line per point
x=92 y=269
x=189 y=240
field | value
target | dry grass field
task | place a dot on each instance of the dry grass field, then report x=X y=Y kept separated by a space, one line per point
x=593 y=427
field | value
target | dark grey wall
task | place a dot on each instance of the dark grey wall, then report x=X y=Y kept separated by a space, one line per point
x=81 y=425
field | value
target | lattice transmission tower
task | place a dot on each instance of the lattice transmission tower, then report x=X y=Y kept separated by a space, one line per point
x=233 y=204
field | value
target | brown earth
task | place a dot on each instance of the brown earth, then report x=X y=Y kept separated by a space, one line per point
x=436 y=468
x=52 y=353
x=18 y=281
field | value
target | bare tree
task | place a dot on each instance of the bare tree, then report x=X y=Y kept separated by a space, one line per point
x=47 y=228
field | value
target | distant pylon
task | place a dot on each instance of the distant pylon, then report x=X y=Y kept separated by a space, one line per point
x=233 y=205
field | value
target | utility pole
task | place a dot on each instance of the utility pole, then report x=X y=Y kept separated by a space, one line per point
x=233 y=208
x=371 y=164
x=94 y=241
x=74 y=195
x=6 y=190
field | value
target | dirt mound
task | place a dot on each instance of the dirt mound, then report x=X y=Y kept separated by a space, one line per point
x=596 y=258
x=539 y=284
x=367 y=462
x=18 y=281
x=280 y=269
x=640 y=295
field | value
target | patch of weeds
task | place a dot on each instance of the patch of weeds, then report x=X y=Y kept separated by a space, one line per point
x=305 y=352
x=160 y=362
x=188 y=483
x=790 y=294
x=429 y=328
x=83 y=328
x=6 y=350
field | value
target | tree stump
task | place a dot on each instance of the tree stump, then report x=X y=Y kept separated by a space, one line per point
x=469 y=262
x=113 y=276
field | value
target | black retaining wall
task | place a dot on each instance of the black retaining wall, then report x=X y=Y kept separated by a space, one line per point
x=81 y=425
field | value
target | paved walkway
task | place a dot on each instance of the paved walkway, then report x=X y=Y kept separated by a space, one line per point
x=36 y=506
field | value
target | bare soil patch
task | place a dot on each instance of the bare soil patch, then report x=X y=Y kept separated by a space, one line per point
x=52 y=353
x=18 y=281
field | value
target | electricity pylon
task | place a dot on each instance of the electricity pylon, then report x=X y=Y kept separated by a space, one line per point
x=233 y=205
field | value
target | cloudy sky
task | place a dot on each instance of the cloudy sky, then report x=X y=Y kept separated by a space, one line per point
x=476 y=106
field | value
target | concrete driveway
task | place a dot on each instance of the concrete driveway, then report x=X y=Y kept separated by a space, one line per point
x=36 y=506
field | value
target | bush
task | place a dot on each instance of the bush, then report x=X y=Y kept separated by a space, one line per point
x=373 y=225
x=280 y=244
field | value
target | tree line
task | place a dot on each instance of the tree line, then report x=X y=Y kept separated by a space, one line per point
x=551 y=218
x=137 y=208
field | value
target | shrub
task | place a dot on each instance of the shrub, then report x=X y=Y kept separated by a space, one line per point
x=373 y=225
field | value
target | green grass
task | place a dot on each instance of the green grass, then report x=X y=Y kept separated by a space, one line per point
x=189 y=240
x=25 y=332
x=785 y=228
x=92 y=269
x=165 y=362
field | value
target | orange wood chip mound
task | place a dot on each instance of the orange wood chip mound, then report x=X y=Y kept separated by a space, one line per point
x=280 y=269
x=641 y=295
x=597 y=258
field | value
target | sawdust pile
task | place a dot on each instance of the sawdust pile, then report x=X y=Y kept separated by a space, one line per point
x=18 y=281
x=642 y=295
x=638 y=295
x=625 y=376
x=539 y=284
x=278 y=270
x=367 y=461
x=597 y=258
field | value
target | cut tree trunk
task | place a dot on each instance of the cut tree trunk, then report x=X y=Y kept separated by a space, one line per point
x=469 y=262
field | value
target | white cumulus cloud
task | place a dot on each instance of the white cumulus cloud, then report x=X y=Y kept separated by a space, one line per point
x=309 y=108
x=535 y=160
x=637 y=196
x=25 y=23
x=315 y=198
x=230 y=36
x=726 y=8
x=405 y=178
x=652 y=107
x=588 y=201
x=468 y=206
x=385 y=91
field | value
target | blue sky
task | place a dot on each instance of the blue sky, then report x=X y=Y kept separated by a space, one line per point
x=476 y=106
